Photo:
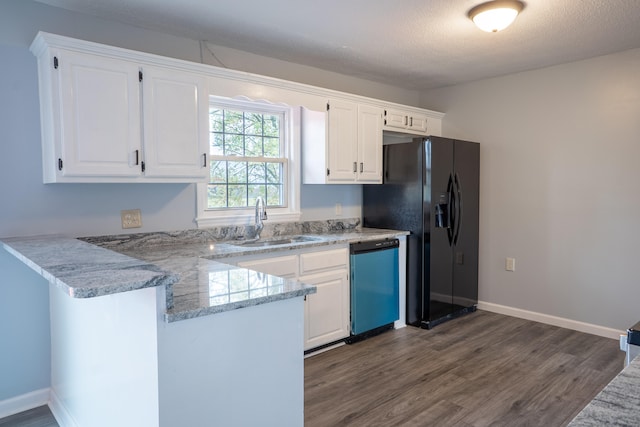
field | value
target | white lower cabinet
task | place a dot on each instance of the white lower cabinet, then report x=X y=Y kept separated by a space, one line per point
x=282 y=266
x=326 y=313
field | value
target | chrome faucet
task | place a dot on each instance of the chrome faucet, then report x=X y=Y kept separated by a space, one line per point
x=261 y=214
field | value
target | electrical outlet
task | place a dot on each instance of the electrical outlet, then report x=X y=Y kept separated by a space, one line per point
x=131 y=218
x=510 y=264
x=338 y=209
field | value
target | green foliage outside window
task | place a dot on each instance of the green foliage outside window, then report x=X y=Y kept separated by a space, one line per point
x=247 y=158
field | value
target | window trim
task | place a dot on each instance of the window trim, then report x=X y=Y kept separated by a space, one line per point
x=291 y=145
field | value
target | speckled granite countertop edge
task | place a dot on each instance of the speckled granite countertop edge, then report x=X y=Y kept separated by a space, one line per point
x=618 y=404
x=86 y=270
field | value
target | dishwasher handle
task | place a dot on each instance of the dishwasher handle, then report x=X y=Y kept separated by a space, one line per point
x=373 y=245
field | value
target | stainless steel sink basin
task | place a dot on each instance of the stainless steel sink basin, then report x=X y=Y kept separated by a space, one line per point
x=275 y=242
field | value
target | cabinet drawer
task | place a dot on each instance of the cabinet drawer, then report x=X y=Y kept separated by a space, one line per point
x=285 y=266
x=316 y=261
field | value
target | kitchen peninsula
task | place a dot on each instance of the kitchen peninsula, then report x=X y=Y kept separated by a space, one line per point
x=164 y=340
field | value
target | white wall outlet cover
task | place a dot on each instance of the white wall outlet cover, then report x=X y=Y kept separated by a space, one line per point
x=131 y=218
x=510 y=264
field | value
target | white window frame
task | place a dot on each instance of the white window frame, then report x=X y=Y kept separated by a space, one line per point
x=245 y=216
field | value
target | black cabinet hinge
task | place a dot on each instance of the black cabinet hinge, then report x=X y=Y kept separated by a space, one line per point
x=142 y=166
x=328 y=171
x=55 y=62
x=140 y=76
x=327 y=106
x=59 y=164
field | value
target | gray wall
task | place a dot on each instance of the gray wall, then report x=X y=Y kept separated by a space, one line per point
x=29 y=207
x=559 y=186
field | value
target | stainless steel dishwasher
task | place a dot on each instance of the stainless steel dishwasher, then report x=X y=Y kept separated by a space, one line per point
x=374 y=287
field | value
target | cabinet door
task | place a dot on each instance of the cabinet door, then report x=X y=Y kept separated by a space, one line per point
x=326 y=311
x=417 y=122
x=99 y=112
x=176 y=126
x=342 y=141
x=395 y=119
x=369 y=144
x=284 y=266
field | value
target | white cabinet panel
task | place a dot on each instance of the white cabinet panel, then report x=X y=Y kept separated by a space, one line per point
x=284 y=266
x=175 y=123
x=350 y=151
x=343 y=151
x=326 y=311
x=408 y=121
x=98 y=132
x=369 y=144
x=317 y=261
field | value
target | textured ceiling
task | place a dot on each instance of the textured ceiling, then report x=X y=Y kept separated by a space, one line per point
x=415 y=44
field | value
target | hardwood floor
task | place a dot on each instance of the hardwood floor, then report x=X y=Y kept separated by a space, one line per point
x=37 y=417
x=483 y=369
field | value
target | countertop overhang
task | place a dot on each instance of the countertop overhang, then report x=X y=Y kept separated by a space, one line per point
x=196 y=279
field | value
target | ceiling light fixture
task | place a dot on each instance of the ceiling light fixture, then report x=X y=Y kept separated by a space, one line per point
x=497 y=15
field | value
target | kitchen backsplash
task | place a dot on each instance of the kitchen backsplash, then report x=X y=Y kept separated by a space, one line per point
x=124 y=241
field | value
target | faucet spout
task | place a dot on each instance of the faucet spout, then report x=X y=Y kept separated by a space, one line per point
x=261 y=215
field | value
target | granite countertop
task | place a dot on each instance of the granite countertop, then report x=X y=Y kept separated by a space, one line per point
x=196 y=284
x=79 y=269
x=618 y=404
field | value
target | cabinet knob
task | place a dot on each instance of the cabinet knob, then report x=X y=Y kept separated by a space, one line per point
x=355 y=167
x=204 y=160
x=361 y=167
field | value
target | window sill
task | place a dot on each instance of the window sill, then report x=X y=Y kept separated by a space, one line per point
x=245 y=219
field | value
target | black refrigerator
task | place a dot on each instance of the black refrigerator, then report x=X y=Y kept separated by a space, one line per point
x=431 y=188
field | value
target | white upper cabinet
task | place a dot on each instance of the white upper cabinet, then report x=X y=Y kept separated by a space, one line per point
x=176 y=127
x=369 y=144
x=93 y=119
x=342 y=141
x=343 y=146
x=115 y=115
x=405 y=121
x=108 y=119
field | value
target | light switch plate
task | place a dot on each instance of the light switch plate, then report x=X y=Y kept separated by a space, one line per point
x=131 y=218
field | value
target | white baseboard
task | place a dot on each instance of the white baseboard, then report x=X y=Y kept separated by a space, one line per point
x=59 y=412
x=24 y=402
x=552 y=320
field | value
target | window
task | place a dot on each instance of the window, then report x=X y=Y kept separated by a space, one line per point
x=247 y=158
x=252 y=153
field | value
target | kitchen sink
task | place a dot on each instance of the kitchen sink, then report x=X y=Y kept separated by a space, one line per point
x=275 y=242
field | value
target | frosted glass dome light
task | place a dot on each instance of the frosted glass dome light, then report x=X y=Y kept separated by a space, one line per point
x=497 y=15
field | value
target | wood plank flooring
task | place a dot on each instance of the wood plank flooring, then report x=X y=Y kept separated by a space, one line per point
x=483 y=369
x=37 y=417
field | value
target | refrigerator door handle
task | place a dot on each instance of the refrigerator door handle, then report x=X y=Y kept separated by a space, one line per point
x=451 y=204
x=458 y=214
